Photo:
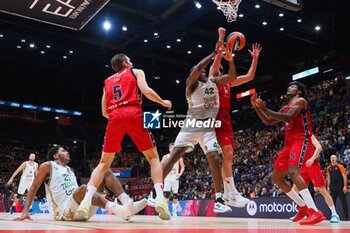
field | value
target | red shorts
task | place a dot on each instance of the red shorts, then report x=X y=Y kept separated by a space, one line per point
x=127 y=120
x=314 y=174
x=224 y=134
x=295 y=153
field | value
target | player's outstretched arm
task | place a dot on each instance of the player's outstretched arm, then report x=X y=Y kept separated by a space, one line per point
x=43 y=173
x=255 y=53
x=232 y=73
x=318 y=150
x=149 y=92
x=214 y=68
x=19 y=169
x=197 y=70
x=104 y=105
x=295 y=110
x=267 y=120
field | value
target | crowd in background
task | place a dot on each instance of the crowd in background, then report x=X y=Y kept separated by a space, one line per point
x=256 y=148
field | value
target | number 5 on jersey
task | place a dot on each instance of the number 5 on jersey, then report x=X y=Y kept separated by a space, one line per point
x=117 y=92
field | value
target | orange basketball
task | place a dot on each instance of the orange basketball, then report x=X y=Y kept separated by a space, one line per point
x=235 y=41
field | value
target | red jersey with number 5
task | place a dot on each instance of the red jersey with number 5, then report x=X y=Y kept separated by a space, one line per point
x=121 y=90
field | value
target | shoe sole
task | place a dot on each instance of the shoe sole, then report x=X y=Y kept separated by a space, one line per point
x=163 y=214
x=235 y=205
x=314 y=223
x=219 y=211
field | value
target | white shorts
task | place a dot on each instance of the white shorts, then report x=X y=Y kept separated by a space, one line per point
x=70 y=210
x=206 y=139
x=24 y=184
x=171 y=185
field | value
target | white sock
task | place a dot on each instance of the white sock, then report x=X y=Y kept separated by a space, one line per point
x=332 y=208
x=225 y=186
x=305 y=193
x=218 y=195
x=230 y=182
x=124 y=198
x=295 y=197
x=90 y=191
x=159 y=190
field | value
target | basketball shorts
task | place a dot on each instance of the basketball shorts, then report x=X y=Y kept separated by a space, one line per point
x=171 y=186
x=313 y=173
x=225 y=134
x=24 y=184
x=70 y=209
x=127 y=120
x=206 y=139
x=295 y=153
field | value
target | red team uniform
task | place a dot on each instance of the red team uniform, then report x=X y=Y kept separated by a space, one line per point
x=299 y=148
x=224 y=134
x=124 y=107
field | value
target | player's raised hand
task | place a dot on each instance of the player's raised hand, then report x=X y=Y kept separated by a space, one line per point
x=167 y=104
x=221 y=32
x=255 y=52
x=260 y=104
x=24 y=216
x=226 y=53
x=253 y=100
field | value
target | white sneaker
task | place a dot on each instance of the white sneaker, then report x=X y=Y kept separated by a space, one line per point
x=123 y=211
x=335 y=218
x=83 y=211
x=151 y=201
x=235 y=199
x=220 y=207
x=162 y=209
x=137 y=207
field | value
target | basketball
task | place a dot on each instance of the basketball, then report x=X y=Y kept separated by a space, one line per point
x=235 y=41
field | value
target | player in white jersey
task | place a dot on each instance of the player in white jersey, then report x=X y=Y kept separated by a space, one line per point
x=203 y=105
x=64 y=195
x=171 y=181
x=29 y=170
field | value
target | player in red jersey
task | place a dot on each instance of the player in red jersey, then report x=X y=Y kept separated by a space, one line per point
x=225 y=133
x=122 y=106
x=297 y=150
x=312 y=171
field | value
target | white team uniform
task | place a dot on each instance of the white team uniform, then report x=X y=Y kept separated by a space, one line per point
x=59 y=193
x=171 y=183
x=27 y=177
x=203 y=104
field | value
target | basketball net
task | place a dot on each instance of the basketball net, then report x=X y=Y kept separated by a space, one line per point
x=229 y=8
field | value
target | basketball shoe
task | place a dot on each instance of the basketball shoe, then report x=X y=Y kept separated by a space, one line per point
x=137 y=207
x=235 y=199
x=220 y=206
x=313 y=217
x=302 y=212
x=162 y=208
x=335 y=218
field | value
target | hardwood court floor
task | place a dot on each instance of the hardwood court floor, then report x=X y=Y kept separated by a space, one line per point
x=151 y=224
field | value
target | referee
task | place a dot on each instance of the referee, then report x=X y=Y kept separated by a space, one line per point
x=337 y=183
